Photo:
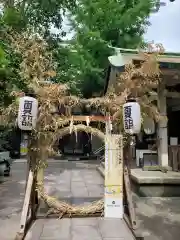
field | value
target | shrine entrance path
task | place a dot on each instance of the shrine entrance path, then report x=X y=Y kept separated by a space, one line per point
x=79 y=183
x=74 y=182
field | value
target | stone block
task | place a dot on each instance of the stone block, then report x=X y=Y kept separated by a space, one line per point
x=36 y=230
x=84 y=222
x=80 y=192
x=114 y=228
x=85 y=233
x=56 y=228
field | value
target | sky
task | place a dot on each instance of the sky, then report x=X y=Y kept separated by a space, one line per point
x=164 y=27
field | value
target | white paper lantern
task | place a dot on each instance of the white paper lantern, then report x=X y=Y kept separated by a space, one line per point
x=149 y=126
x=132 y=117
x=27 y=114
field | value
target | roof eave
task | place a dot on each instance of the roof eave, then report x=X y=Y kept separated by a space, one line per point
x=169 y=57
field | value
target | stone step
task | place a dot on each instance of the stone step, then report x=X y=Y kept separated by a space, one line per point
x=102 y=164
x=100 y=170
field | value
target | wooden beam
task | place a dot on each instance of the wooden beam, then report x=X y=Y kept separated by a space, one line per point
x=24 y=214
x=80 y=118
x=172 y=94
x=168 y=94
x=170 y=72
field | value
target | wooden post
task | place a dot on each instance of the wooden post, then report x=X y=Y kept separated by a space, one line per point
x=162 y=127
x=175 y=164
x=34 y=201
x=25 y=209
x=30 y=201
x=128 y=198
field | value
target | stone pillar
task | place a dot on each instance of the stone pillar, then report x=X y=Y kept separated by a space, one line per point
x=162 y=127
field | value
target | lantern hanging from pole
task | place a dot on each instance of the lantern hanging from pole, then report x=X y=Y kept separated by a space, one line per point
x=132 y=117
x=27 y=114
x=149 y=126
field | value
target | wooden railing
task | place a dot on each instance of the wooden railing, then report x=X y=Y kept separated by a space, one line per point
x=174 y=157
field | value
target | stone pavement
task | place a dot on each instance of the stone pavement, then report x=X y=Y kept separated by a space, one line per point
x=11 y=200
x=74 y=182
x=79 y=229
x=77 y=183
x=159 y=218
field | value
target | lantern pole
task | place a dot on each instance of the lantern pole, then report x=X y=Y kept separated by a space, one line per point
x=132 y=148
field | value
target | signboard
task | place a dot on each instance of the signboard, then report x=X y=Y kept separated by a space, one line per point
x=113 y=191
x=113 y=207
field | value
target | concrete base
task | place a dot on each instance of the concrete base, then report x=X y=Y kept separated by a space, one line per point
x=155 y=183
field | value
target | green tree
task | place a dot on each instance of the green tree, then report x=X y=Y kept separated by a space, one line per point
x=40 y=15
x=9 y=73
x=9 y=67
x=119 y=22
x=67 y=69
x=98 y=24
x=21 y=15
x=77 y=68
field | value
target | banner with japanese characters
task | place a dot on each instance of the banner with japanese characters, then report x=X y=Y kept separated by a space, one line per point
x=27 y=114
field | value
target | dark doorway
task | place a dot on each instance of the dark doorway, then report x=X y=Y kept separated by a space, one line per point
x=76 y=144
x=173 y=124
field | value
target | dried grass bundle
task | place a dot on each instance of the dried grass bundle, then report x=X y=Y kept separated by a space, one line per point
x=139 y=82
x=61 y=208
x=36 y=68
